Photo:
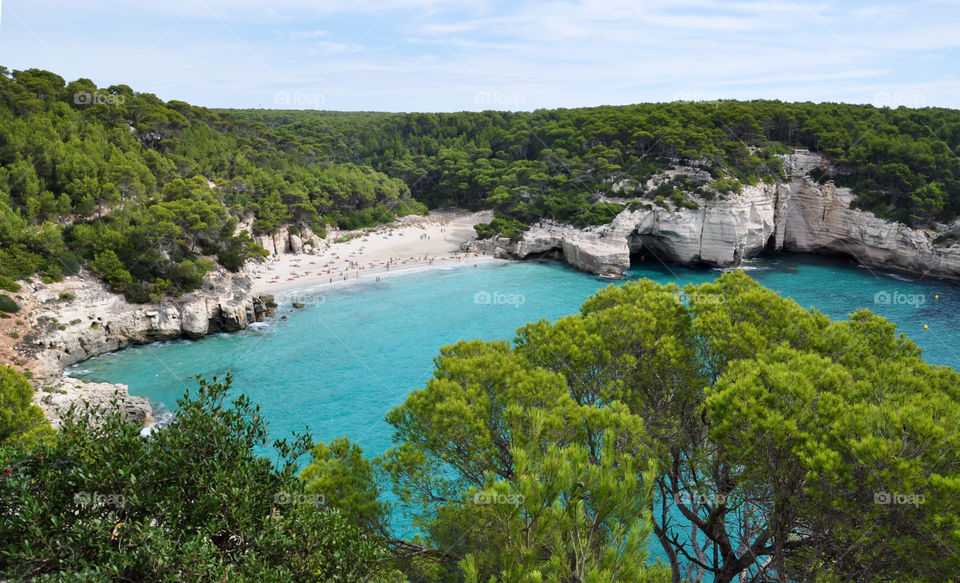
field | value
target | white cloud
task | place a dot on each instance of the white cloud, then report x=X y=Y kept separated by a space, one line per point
x=307 y=34
x=436 y=54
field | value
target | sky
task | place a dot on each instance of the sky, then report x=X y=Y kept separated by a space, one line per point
x=456 y=55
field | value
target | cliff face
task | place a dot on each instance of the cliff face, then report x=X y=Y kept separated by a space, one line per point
x=796 y=215
x=80 y=317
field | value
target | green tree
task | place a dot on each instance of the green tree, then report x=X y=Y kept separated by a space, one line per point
x=22 y=423
x=113 y=271
x=192 y=501
x=507 y=475
x=752 y=437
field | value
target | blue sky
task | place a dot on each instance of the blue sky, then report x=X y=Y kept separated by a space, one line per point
x=453 y=55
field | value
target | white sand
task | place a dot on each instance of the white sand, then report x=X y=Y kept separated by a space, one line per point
x=404 y=246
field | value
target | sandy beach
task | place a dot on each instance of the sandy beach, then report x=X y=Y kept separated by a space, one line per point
x=409 y=244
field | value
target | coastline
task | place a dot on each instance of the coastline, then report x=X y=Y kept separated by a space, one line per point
x=67 y=322
x=409 y=243
x=291 y=290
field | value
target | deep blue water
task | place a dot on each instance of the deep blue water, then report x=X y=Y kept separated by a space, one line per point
x=340 y=364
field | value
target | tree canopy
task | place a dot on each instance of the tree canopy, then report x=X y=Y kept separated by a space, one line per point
x=745 y=435
x=146 y=193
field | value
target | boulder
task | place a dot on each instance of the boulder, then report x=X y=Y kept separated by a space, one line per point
x=296 y=243
x=55 y=400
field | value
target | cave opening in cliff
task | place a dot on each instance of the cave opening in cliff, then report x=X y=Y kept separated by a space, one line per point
x=771 y=246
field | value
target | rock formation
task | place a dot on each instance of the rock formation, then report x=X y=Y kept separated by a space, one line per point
x=67 y=392
x=798 y=214
x=79 y=318
x=283 y=241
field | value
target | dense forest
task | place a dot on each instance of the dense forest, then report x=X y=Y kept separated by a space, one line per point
x=145 y=192
x=742 y=437
x=582 y=166
x=149 y=194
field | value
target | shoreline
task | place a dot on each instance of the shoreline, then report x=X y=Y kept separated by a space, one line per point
x=409 y=242
x=287 y=289
x=65 y=323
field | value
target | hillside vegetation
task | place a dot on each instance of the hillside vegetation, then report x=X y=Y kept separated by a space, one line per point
x=145 y=192
x=149 y=194
x=902 y=163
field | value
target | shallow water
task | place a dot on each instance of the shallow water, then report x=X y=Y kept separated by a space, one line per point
x=352 y=354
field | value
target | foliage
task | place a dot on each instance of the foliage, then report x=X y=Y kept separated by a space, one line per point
x=21 y=422
x=140 y=189
x=500 y=226
x=552 y=163
x=192 y=501
x=511 y=478
x=85 y=170
x=8 y=305
x=751 y=437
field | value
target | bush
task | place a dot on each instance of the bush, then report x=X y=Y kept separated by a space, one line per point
x=7 y=283
x=21 y=422
x=501 y=226
x=8 y=305
x=192 y=502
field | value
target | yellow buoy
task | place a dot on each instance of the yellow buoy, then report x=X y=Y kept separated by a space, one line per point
x=937 y=297
x=924 y=326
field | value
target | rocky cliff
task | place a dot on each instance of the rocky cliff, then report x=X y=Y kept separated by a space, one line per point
x=79 y=318
x=798 y=214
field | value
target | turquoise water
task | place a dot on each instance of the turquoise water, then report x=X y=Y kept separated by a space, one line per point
x=354 y=353
x=340 y=364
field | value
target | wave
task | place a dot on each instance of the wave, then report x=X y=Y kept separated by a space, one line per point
x=69 y=372
x=162 y=417
x=898 y=277
x=742 y=267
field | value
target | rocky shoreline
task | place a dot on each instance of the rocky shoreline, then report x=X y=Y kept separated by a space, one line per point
x=797 y=215
x=79 y=318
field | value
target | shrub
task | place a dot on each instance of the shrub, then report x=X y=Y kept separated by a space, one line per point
x=8 y=305
x=193 y=501
x=21 y=422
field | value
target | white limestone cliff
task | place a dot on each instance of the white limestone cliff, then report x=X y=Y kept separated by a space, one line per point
x=79 y=318
x=798 y=214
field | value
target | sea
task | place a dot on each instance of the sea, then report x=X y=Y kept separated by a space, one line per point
x=338 y=365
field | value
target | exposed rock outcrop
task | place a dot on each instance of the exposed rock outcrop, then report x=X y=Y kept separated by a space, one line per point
x=57 y=399
x=283 y=241
x=79 y=318
x=798 y=214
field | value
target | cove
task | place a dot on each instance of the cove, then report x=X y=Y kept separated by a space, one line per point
x=341 y=363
